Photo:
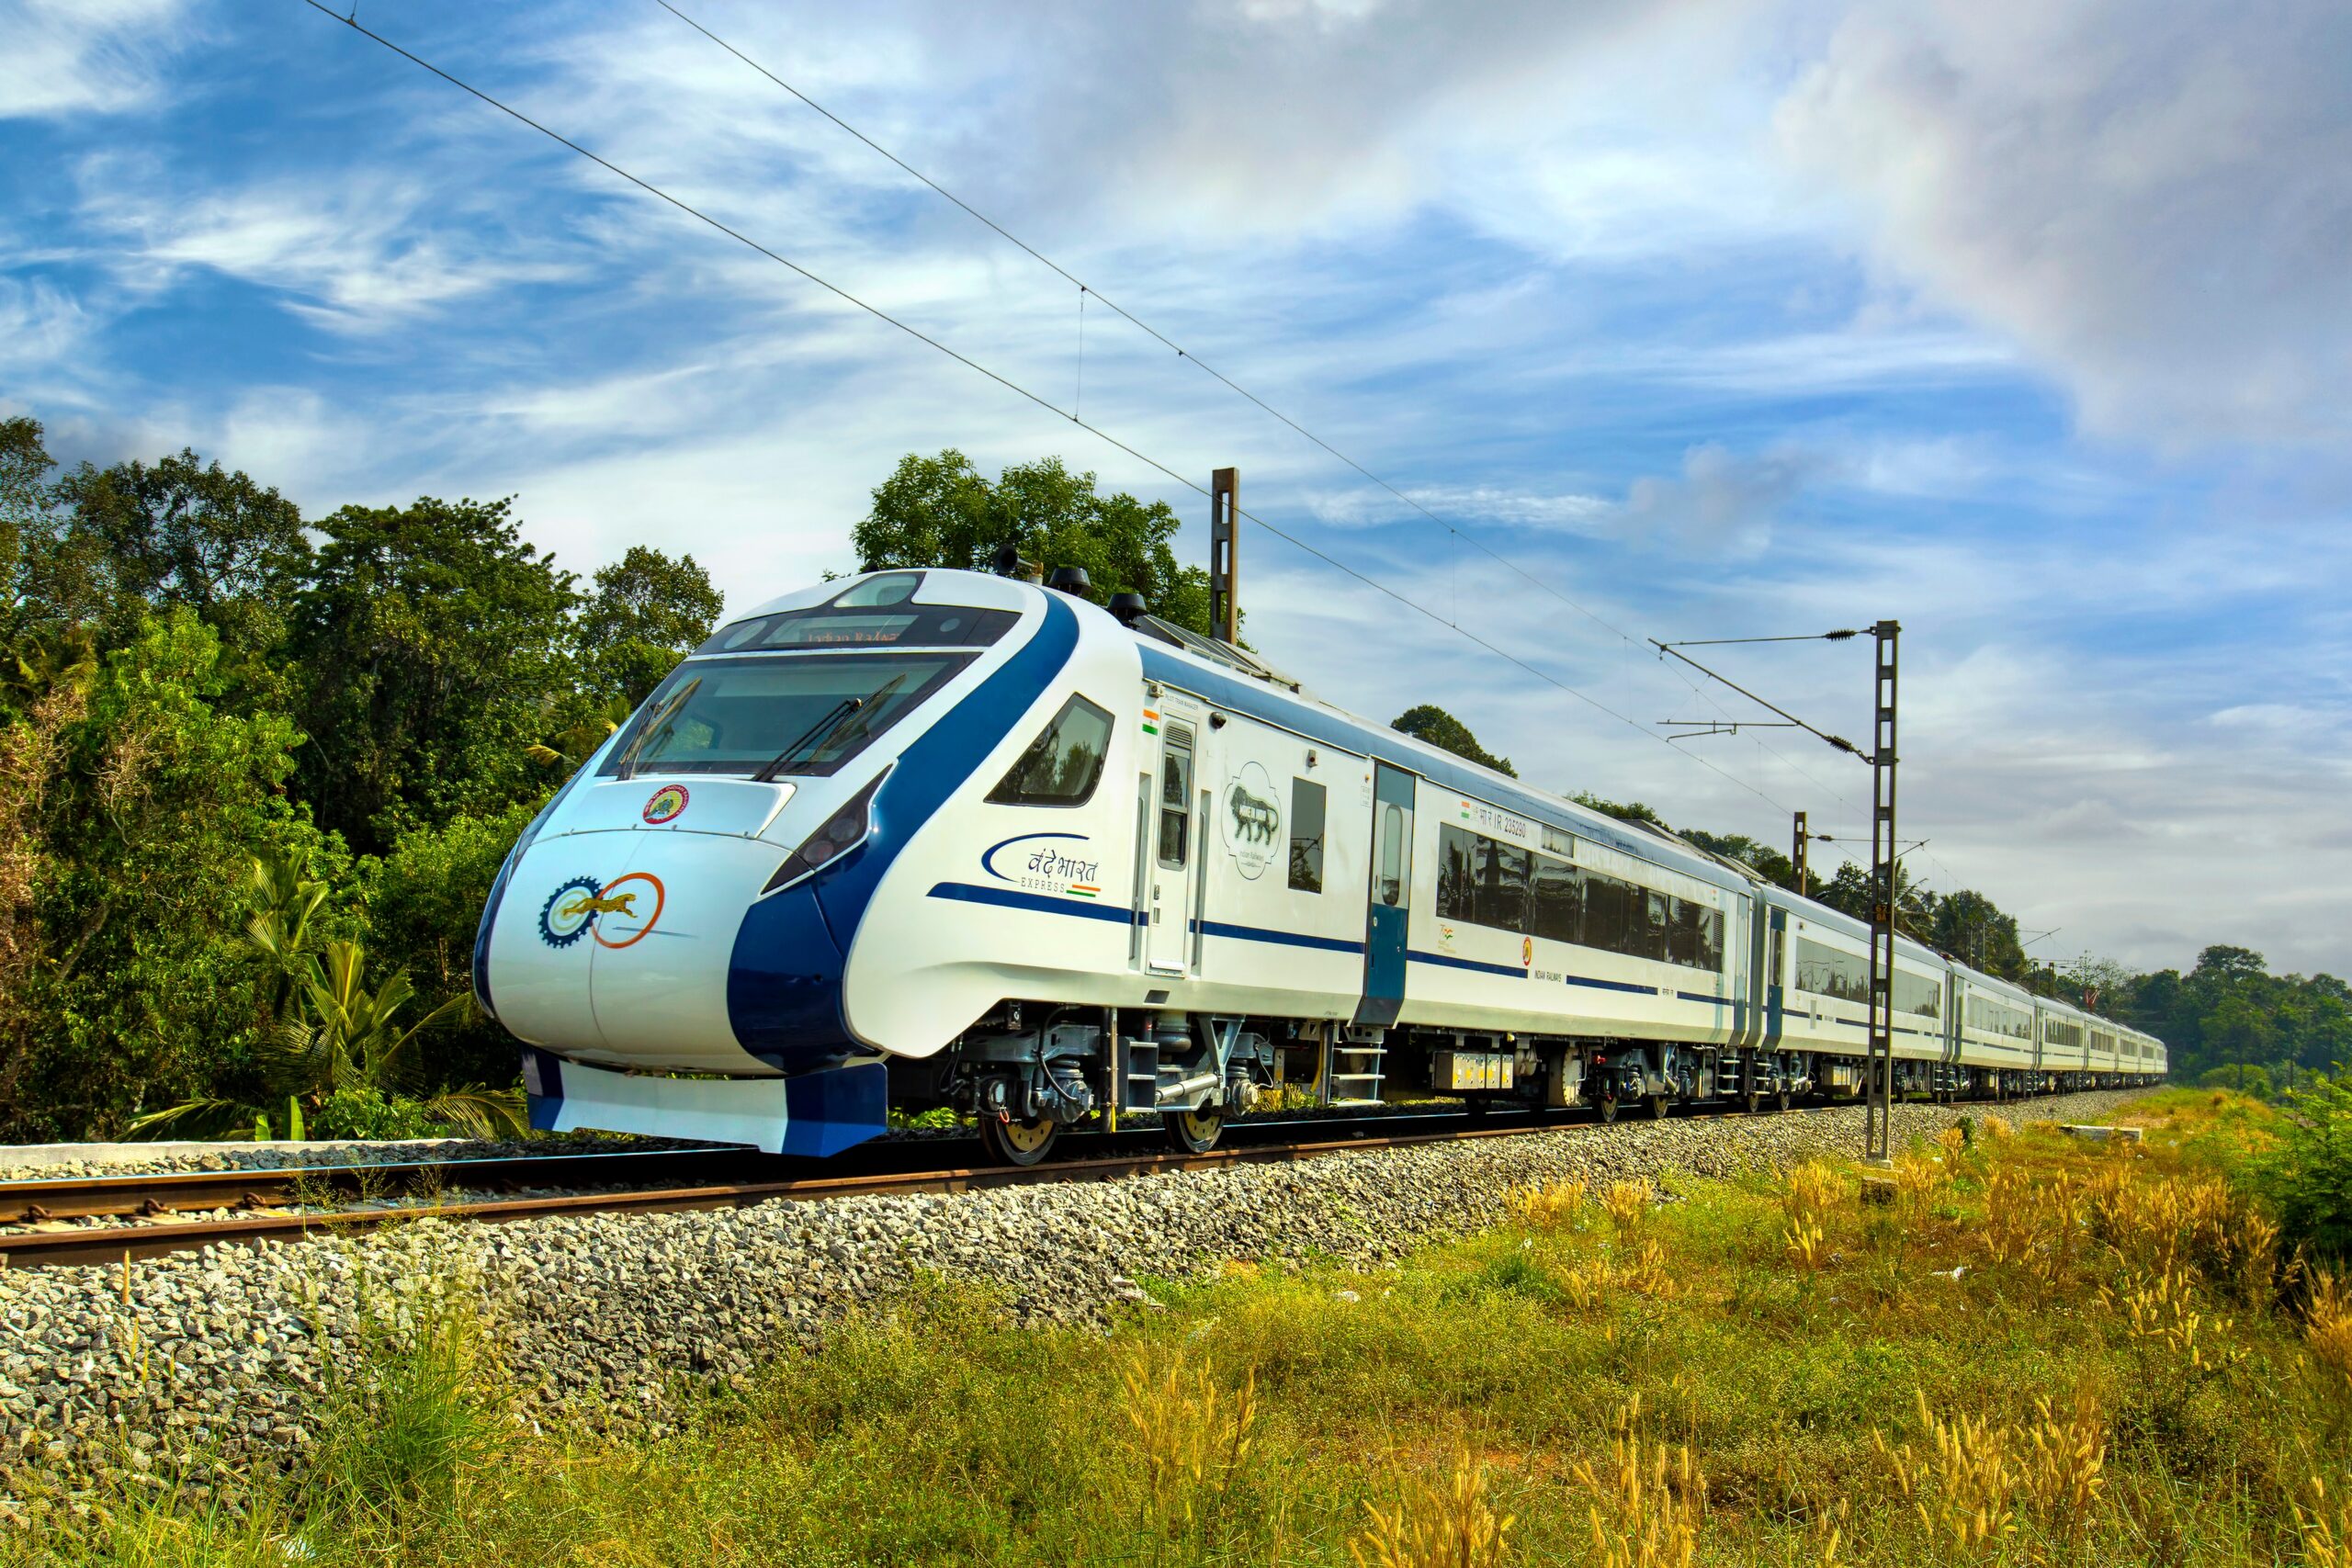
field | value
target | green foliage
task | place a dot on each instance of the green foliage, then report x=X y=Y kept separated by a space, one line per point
x=434 y=644
x=413 y=1406
x=2309 y=1176
x=2246 y=1077
x=1433 y=725
x=941 y=512
x=422 y=901
x=934 y=1428
x=138 y=803
x=363 y=1110
x=2230 y=1009
x=135 y=539
x=647 y=612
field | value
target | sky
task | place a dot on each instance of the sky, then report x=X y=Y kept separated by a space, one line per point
x=2028 y=326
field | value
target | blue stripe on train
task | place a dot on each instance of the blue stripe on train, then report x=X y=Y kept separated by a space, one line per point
x=784 y=979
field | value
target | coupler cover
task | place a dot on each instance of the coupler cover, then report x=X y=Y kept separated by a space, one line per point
x=816 y=1114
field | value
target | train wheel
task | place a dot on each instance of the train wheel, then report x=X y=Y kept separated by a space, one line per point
x=1754 y=1102
x=1781 y=1101
x=1192 y=1131
x=1019 y=1143
x=1608 y=1107
x=1658 y=1104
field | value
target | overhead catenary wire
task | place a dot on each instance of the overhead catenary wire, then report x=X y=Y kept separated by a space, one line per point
x=1016 y=388
x=1456 y=532
x=1149 y=330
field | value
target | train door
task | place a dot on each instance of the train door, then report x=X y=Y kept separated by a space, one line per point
x=1391 y=896
x=1173 y=846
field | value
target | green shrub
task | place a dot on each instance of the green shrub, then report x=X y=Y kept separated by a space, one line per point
x=2308 y=1174
x=2246 y=1077
x=363 y=1110
x=412 y=1407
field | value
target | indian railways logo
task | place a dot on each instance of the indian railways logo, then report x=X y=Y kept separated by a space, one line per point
x=613 y=912
x=1252 y=820
x=1526 y=952
x=667 y=803
x=1040 y=861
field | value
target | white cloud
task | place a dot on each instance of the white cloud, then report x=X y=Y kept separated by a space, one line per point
x=1721 y=503
x=65 y=57
x=2152 y=196
x=357 y=253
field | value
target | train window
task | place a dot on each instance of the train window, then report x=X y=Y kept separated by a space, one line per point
x=891 y=588
x=1685 y=940
x=1554 y=900
x=1829 y=972
x=1779 y=958
x=1455 y=850
x=774 y=716
x=1306 y=836
x=1611 y=913
x=875 y=624
x=1656 y=933
x=1711 y=940
x=1175 y=798
x=1917 y=994
x=1391 y=878
x=1062 y=766
x=1454 y=882
x=1499 y=898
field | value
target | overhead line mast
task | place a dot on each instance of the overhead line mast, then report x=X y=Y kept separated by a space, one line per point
x=1878 y=1071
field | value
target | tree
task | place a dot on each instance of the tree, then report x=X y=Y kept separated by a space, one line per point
x=648 y=612
x=1977 y=931
x=1432 y=725
x=1623 y=811
x=1915 y=905
x=2231 y=963
x=135 y=537
x=134 y=804
x=940 y=512
x=432 y=644
x=421 y=903
x=23 y=510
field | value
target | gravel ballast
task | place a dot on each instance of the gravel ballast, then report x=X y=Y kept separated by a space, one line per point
x=183 y=1364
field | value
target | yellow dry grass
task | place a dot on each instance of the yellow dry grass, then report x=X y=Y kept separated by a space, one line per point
x=1452 y=1526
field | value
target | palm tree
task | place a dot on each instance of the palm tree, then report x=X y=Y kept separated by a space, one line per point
x=332 y=1031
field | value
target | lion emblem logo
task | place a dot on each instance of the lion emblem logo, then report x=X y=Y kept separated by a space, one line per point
x=1252 y=820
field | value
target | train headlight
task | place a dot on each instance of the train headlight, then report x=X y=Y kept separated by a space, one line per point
x=842 y=832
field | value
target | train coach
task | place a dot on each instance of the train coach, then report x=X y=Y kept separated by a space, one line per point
x=932 y=838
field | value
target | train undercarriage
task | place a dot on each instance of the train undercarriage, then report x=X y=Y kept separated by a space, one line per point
x=1029 y=1072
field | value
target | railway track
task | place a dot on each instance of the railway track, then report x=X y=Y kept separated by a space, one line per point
x=284 y=1204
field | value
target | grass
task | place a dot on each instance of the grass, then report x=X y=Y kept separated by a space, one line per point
x=1767 y=1370
x=2217 y=1126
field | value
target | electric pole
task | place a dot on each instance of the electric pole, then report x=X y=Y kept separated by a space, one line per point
x=1224 y=533
x=1797 y=854
x=1878 y=1074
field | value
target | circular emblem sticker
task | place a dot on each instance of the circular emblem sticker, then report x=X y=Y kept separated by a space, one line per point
x=565 y=918
x=667 y=802
x=1526 y=951
x=1252 y=820
x=614 y=912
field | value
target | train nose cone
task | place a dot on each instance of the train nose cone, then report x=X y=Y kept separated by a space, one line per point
x=614 y=946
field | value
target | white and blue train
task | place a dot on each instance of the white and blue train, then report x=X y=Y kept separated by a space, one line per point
x=944 y=838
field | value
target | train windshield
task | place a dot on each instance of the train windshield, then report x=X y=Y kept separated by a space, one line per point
x=767 y=716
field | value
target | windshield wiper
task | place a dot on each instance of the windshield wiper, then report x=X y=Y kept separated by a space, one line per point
x=811 y=736
x=817 y=734
x=658 y=721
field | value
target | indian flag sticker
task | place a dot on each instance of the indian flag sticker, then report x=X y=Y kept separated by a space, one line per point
x=1150 y=722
